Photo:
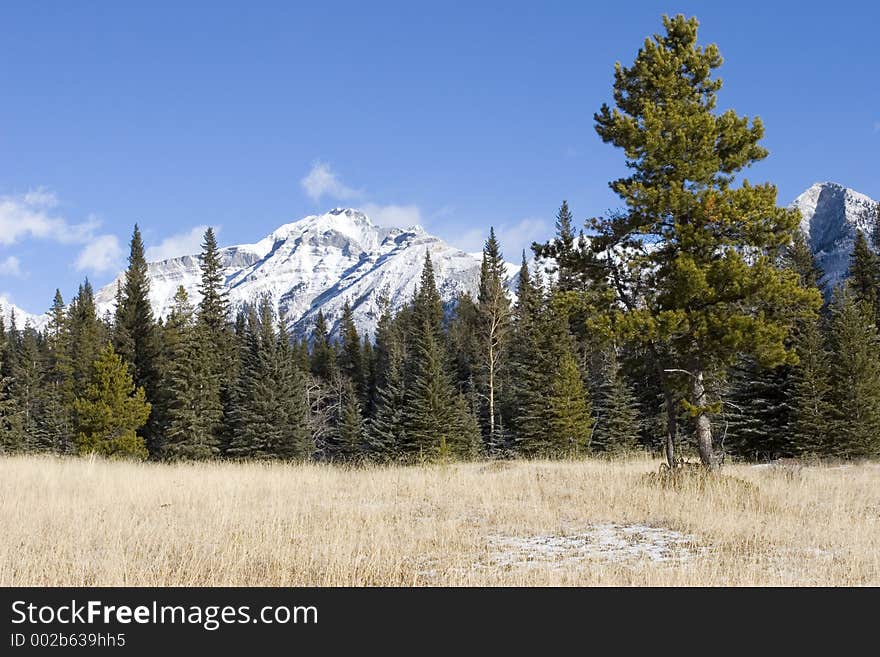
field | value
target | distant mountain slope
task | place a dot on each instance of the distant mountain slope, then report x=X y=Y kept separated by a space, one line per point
x=8 y=310
x=831 y=217
x=322 y=261
x=319 y=263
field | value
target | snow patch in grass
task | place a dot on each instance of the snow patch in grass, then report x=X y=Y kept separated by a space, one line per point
x=605 y=542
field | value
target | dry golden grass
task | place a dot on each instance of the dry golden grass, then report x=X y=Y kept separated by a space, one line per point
x=80 y=522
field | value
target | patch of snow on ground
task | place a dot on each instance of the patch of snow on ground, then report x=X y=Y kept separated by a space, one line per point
x=607 y=541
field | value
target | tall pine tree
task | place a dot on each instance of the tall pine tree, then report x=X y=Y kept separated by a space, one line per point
x=323 y=358
x=864 y=276
x=350 y=354
x=435 y=427
x=855 y=378
x=386 y=427
x=714 y=288
x=810 y=393
x=215 y=342
x=135 y=334
x=189 y=433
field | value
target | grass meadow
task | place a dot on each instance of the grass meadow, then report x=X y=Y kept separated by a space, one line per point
x=89 y=522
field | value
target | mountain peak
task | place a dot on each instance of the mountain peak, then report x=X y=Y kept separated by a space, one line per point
x=320 y=262
x=827 y=183
x=832 y=215
x=351 y=212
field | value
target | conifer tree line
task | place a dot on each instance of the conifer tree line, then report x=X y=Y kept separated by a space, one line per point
x=436 y=384
x=692 y=320
x=542 y=373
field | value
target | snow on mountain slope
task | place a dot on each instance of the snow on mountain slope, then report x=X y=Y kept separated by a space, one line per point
x=319 y=263
x=322 y=261
x=22 y=317
x=831 y=217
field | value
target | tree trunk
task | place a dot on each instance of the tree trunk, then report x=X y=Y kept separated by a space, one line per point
x=671 y=425
x=492 y=445
x=704 y=425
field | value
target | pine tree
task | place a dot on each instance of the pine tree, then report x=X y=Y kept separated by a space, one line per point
x=348 y=431
x=256 y=396
x=350 y=357
x=28 y=386
x=269 y=409
x=323 y=358
x=56 y=425
x=135 y=333
x=528 y=294
x=428 y=307
x=214 y=343
x=809 y=393
x=213 y=307
x=799 y=258
x=528 y=364
x=368 y=358
x=494 y=317
x=617 y=416
x=465 y=350
x=568 y=410
x=57 y=322
x=11 y=432
x=855 y=378
x=563 y=252
x=290 y=380
x=545 y=429
x=758 y=411
x=189 y=432
x=111 y=410
x=86 y=335
x=874 y=222
x=429 y=430
x=300 y=354
x=468 y=441
x=714 y=290
x=432 y=429
x=123 y=342
x=386 y=428
x=864 y=276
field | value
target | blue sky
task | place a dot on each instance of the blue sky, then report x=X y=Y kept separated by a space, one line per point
x=453 y=115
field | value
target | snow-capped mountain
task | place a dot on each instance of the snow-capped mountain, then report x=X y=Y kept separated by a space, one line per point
x=322 y=261
x=319 y=263
x=831 y=217
x=9 y=312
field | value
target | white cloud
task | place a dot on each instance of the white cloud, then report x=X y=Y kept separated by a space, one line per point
x=514 y=238
x=520 y=236
x=321 y=181
x=33 y=215
x=395 y=216
x=40 y=197
x=188 y=243
x=103 y=254
x=11 y=266
x=469 y=241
